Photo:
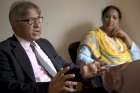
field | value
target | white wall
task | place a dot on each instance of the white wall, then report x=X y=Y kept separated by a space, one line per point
x=5 y=29
x=65 y=21
x=131 y=14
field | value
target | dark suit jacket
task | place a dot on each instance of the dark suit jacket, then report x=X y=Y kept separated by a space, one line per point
x=16 y=73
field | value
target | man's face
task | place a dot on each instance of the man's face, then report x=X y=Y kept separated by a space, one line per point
x=29 y=27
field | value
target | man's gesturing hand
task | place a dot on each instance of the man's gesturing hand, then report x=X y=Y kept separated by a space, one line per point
x=61 y=82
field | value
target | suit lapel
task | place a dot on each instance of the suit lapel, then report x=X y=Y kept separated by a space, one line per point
x=22 y=58
x=46 y=48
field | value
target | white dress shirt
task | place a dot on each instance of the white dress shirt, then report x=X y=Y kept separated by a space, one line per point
x=40 y=74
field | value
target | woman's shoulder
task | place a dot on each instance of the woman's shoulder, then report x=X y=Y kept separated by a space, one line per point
x=93 y=30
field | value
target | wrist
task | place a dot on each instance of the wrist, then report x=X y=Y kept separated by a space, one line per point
x=128 y=41
x=51 y=89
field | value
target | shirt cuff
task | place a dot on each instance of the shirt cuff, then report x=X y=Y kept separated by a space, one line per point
x=135 y=52
x=134 y=47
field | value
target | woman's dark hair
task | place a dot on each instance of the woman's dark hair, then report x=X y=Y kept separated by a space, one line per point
x=112 y=7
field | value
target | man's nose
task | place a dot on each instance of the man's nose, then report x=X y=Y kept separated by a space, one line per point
x=36 y=24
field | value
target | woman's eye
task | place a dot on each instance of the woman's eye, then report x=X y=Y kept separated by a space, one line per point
x=115 y=17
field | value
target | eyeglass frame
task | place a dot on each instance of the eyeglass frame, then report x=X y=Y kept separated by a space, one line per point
x=31 y=20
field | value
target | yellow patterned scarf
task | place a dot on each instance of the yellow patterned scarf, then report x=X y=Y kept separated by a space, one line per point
x=109 y=50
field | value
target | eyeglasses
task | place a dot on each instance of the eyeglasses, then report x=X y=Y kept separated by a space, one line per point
x=32 y=20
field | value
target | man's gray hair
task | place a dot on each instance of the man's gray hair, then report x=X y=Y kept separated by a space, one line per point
x=19 y=9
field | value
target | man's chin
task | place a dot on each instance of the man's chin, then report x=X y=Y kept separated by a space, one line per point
x=35 y=38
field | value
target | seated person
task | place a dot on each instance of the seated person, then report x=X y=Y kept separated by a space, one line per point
x=22 y=69
x=106 y=45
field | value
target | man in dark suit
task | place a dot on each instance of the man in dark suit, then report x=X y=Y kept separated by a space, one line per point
x=20 y=71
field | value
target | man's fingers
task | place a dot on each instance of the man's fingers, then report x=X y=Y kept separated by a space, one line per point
x=70 y=83
x=68 y=76
x=69 y=89
x=62 y=71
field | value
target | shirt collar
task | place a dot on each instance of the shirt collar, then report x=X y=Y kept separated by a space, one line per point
x=24 y=43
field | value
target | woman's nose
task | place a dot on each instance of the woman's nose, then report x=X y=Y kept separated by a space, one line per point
x=111 y=19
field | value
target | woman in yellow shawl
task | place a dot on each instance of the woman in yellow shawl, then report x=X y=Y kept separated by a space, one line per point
x=107 y=44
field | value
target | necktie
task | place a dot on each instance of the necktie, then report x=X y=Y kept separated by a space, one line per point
x=43 y=60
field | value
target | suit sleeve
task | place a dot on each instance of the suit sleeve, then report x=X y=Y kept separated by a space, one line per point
x=9 y=83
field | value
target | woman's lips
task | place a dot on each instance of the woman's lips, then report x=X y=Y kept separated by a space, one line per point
x=109 y=24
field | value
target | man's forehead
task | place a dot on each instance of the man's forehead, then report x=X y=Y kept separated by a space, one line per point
x=31 y=12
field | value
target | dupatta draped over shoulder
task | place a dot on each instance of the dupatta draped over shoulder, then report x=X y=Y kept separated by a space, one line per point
x=107 y=49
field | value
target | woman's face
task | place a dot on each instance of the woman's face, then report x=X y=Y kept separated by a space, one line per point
x=111 y=20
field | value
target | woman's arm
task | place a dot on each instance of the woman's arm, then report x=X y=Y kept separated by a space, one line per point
x=84 y=55
x=88 y=67
x=120 y=33
x=135 y=52
x=134 y=49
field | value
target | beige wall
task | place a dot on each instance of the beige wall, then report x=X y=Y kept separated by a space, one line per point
x=65 y=21
x=131 y=14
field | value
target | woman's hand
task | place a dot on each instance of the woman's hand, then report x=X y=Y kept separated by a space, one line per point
x=113 y=79
x=61 y=83
x=118 y=32
x=89 y=70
